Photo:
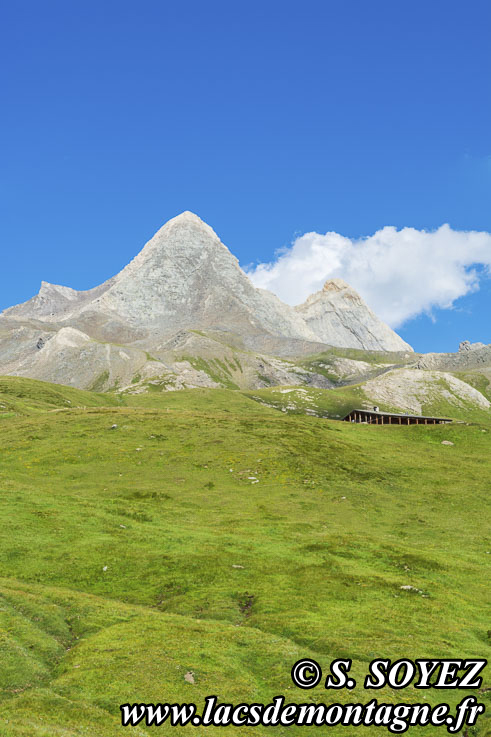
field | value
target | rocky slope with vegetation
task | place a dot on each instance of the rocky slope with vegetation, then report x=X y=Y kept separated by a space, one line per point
x=184 y=315
x=184 y=295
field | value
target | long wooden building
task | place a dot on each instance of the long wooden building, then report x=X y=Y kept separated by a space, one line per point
x=375 y=417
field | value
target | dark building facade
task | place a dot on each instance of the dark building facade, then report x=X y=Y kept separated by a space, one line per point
x=375 y=417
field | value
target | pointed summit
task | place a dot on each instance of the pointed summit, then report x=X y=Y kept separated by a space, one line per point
x=181 y=237
x=185 y=220
x=335 y=285
x=339 y=316
x=185 y=277
x=184 y=216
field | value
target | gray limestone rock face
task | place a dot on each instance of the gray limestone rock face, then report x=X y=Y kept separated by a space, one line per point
x=410 y=389
x=338 y=316
x=147 y=322
x=183 y=278
x=466 y=345
x=476 y=356
x=54 y=303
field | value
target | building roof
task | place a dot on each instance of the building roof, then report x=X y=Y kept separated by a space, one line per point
x=396 y=414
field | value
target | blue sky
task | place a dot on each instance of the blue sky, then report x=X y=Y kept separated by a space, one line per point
x=267 y=119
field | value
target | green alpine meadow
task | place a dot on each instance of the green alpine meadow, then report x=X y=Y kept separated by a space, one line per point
x=168 y=546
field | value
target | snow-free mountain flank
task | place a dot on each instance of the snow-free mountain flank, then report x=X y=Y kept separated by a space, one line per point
x=179 y=313
x=185 y=278
x=338 y=316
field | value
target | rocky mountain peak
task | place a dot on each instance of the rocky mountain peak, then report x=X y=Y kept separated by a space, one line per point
x=466 y=345
x=339 y=316
x=335 y=285
x=56 y=291
x=185 y=226
x=178 y=248
x=185 y=278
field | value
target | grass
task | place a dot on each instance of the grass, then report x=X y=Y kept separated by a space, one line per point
x=477 y=380
x=119 y=551
x=19 y=396
x=338 y=402
x=100 y=382
x=217 y=370
x=321 y=363
x=335 y=403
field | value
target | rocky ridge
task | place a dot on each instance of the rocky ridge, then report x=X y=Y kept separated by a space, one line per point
x=339 y=317
x=410 y=389
x=183 y=314
x=184 y=296
x=184 y=277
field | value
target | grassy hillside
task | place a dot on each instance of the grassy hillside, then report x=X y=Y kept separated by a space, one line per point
x=338 y=402
x=324 y=363
x=20 y=396
x=333 y=404
x=478 y=380
x=212 y=535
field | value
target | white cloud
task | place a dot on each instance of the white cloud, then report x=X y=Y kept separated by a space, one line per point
x=399 y=273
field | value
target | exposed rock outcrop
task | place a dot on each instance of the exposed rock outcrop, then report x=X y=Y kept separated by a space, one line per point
x=183 y=297
x=338 y=316
x=466 y=345
x=478 y=356
x=184 y=277
x=411 y=389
